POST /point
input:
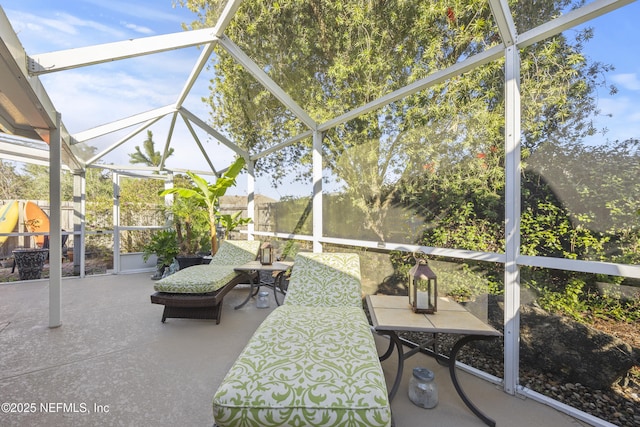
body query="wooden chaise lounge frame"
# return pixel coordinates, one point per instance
(187, 301)
(195, 306)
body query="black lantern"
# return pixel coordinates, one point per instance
(266, 254)
(423, 288)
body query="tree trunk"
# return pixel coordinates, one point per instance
(214, 242)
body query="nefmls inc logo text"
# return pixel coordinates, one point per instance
(64, 407)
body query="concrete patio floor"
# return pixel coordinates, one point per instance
(113, 362)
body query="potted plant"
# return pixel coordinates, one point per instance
(192, 231)
(164, 244)
(207, 196)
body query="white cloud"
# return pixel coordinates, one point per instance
(90, 97)
(616, 105)
(74, 25)
(635, 117)
(138, 28)
(63, 25)
(144, 10)
(60, 31)
(624, 122)
(628, 81)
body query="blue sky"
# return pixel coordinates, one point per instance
(616, 40)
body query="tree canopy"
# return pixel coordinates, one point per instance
(336, 56)
(436, 156)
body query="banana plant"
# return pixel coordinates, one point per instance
(208, 195)
(232, 221)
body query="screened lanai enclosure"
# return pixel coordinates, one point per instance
(498, 140)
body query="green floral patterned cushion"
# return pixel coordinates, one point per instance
(306, 366)
(236, 252)
(198, 279)
(325, 279)
(201, 279)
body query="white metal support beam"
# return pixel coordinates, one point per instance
(31, 112)
(266, 81)
(223, 22)
(570, 20)
(504, 20)
(593, 267)
(277, 147)
(251, 189)
(199, 143)
(317, 190)
(226, 16)
(123, 123)
(55, 227)
(26, 109)
(72, 161)
(22, 152)
(121, 141)
(167, 144)
(79, 220)
(195, 73)
(116, 222)
(437, 77)
(81, 57)
(512, 220)
(211, 131)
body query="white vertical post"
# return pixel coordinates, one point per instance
(512, 220)
(116, 222)
(251, 188)
(317, 191)
(168, 201)
(79, 218)
(55, 236)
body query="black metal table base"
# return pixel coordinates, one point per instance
(256, 283)
(395, 342)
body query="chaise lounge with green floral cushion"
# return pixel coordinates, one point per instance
(313, 361)
(197, 292)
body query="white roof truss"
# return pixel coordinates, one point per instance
(266, 81)
(83, 56)
(122, 141)
(211, 131)
(124, 123)
(197, 140)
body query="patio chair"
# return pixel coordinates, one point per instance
(197, 292)
(313, 361)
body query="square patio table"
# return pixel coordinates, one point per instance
(279, 267)
(392, 314)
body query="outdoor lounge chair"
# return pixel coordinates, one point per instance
(313, 361)
(197, 292)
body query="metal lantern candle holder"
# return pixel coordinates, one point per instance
(423, 288)
(266, 254)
